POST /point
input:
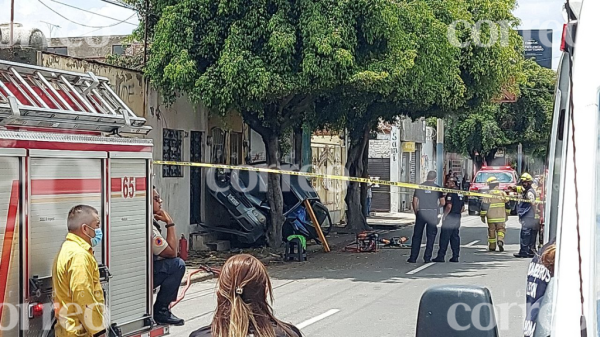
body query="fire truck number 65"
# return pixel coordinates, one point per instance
(128, 187)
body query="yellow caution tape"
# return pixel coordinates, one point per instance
(335, 177)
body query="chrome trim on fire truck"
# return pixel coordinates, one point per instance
(66, 154)
(12, 152)
(132, 155)
(70, 138)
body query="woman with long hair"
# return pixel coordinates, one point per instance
(244, 297)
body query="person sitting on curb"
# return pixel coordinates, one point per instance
(168, 268)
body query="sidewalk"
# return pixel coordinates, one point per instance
(391, 219)
(381, 222)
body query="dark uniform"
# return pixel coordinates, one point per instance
(530, 225)
(451, 227)
(427, 217)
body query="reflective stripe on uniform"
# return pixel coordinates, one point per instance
(496, 220)
(500, 235)
(498, 204)
(492, 240)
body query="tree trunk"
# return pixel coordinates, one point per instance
(274, 193)
(477, 161)
(355, 168)
(490, 158)
(298, 146)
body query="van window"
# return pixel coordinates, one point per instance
(502, 177)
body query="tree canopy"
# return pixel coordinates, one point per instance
(485, 129)
(337, 63)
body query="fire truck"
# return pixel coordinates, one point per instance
(66, 139)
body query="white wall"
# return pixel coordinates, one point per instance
(395, 165)
(428, 155)
(182, 115)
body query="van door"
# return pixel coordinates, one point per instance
(129, 239)
(10, 220)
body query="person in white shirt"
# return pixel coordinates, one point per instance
(168, 268)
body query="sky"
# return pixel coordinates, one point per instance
(534, 14)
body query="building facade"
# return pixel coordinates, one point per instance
(395, 154)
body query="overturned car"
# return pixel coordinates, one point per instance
(244, 194)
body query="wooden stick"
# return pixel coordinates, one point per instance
(317, 225)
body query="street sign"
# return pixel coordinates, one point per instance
(537, 45)
(408, 146)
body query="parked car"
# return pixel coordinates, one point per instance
(507, 177)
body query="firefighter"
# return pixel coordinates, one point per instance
(527, 211)
(77, 293)
(168, 268)
(496, 210)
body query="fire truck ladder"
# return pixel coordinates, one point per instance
(32, 96)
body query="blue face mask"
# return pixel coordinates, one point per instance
(98, 238)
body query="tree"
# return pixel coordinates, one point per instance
(269, 60)
(440, 78)
(480, 132)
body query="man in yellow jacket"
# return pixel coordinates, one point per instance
(496, 210)
(78, 295)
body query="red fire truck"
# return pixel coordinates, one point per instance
(66, 138)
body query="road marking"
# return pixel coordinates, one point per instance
(427, 265)
(317, 318)
(470, 244)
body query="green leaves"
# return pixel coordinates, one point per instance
(527, 121)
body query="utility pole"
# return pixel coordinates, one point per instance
(440, 152)
(519, 158)
(12, 22)
(51, 26)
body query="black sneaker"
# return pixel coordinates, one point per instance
(501, 246)
(427, 260)
(439, 259)
(165, 316)
(411, 261)
(521, 256)
(454, 260)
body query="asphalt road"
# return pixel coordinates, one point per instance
(377, 294)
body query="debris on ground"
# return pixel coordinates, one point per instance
(216, 259)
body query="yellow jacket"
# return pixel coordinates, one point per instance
(78, 295)
(495, 207)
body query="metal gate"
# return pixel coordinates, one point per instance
(379, 168)
(196, 178)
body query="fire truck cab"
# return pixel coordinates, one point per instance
(62, 143)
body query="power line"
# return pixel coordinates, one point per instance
(81, 24)
(87, 11)
(120, 4)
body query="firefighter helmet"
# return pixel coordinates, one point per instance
(492, 180)
(526, 177)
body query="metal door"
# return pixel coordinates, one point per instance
(380, 168)
(58, 184)
(128, 252)
(10, 289)
(59, 180)
(195, 178)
